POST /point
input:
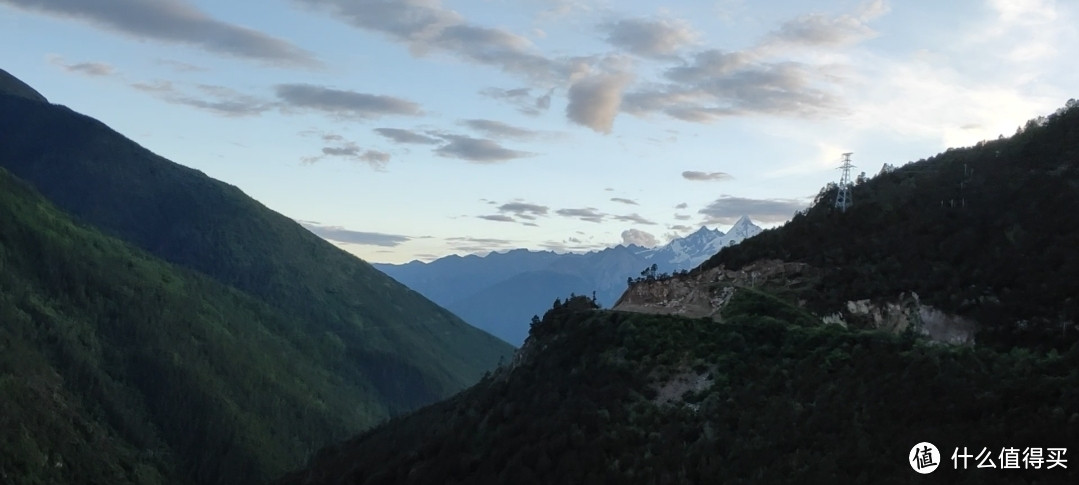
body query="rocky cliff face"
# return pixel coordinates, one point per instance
(704, 294)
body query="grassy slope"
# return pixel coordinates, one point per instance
(785, 404)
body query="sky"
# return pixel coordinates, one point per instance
(415, 129)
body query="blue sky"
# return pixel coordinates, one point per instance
(420, 128)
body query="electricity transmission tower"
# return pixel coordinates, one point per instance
(842, 198)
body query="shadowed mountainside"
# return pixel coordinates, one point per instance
(387, 347)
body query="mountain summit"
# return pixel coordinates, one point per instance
(690, 251)
(14, 86)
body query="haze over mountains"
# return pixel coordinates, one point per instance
(500, 292)
(168, 312)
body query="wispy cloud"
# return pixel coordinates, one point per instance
(819, 30)
(589, 214)
(622, 200)
(480, 245)
(478, 150)
(633, 218)
(497, 218)
(406, 136)
(704, 176)
(521, 98)
(498, 129)
(216, 99)
(524, 209)
(728, 209)
(344, 103)
(352, 152)
(342, 235)
(650, 37)
(175, 21)
(97, 69)
(426, 26)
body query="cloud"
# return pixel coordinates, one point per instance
(344, 103)
(426, 26)
(727, 209)
(498, 129)
(216, 99)
(818, 30)
(639, 238)
(342, 235)
(405, 136)
(594, 101)
(680, 228)
(650, 37)
(702, 176)
(634, 218)
(763, 78)
(718, 84)
(350, 151)
(478, 245)
(98, 69)
(682, 217)
(523, 209)
(588, 214)
(179, 66)
(683, 205)
(498, 218)
(623, 200)
(479, 150)
(175, 21)
(521, 98)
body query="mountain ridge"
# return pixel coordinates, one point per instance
(400, 349)
(477, 287)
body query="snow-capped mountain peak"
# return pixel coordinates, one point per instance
(690, 251)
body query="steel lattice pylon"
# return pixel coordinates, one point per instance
(843, 199)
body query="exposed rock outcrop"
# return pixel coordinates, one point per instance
(704, 294)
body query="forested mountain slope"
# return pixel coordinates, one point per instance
(765, 391)
(987, 232)
(385, 349)
(116, 367)
(623, 398)
(187, 218)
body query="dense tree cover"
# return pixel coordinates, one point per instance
(987, 232)
(412, 351)
(116, 367)
(782, 403)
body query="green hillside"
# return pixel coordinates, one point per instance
(187, 218)
(267, 344)
(116, 367)
(605, 397)
(987, 232)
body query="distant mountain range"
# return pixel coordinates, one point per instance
(500, 292)
(790, 387)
